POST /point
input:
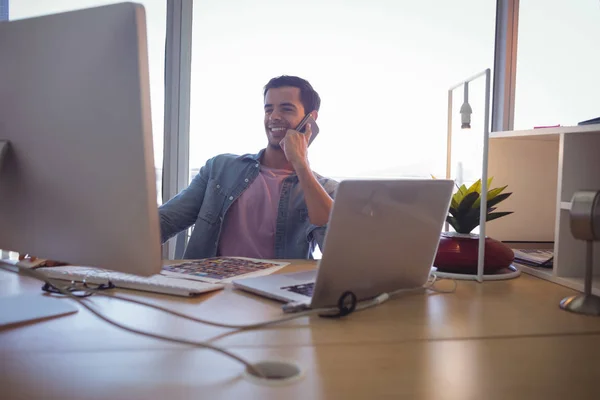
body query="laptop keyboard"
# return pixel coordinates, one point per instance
(305, 289)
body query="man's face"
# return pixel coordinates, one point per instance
(283, 111)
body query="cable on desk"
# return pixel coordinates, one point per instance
(333, 312)
(433, 279)
(324, 312)
(65, 290)
(341, 311)
(39, 276)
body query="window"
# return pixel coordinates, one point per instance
(3, 10)
(558, 61)
(156, 26)
(382, 68)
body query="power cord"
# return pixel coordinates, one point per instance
(342, 310)
(433, 279)
(251, 368)
(39, 276)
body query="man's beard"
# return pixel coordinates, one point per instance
(274, 146)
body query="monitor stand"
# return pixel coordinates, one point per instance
(26, 307)
(30, 306)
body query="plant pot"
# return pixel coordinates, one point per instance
(457, 253)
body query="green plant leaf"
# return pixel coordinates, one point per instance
(453, 222)
(468, 227)
(466, 203)
(476, 187)
(453, 203)
(496, 215)
(492, 194)
(469, 220)
(498, 199)
(464, 210)
(495, 192)
(489, 185)
(460, 194)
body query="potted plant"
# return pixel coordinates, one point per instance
(457, 251)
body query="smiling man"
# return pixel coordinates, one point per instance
(265, 205)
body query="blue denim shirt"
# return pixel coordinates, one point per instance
(204, 204)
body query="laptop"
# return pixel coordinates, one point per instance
(382, 236)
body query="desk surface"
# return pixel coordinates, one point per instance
(505, 339)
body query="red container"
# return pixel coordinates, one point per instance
(457, 253)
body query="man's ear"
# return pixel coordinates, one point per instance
(314, 114)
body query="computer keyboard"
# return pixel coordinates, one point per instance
(154, 283)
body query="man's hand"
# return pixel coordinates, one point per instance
(294, 145)
(44, 263)
(318, 201)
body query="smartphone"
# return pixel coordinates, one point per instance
(313, 126)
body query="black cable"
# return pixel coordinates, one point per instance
(342, 307)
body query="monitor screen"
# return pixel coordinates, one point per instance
(77, 180)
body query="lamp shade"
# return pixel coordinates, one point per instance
(465, 115)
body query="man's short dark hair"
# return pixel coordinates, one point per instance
(308, 96)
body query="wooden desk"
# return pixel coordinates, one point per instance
(504, 340)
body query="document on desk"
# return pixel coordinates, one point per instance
(222, 269)
(534, 257)
(32, 307)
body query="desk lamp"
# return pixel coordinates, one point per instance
(465, 109)
(465, 114)
(585, 225)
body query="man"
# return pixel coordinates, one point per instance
(265, 205)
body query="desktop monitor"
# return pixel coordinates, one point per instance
(77, 179)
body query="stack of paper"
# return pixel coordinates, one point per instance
(534, 257)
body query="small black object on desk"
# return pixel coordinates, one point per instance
(590, 121)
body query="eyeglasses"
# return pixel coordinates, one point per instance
(79, 289)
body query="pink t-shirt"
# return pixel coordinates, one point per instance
(249, 226)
